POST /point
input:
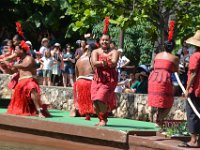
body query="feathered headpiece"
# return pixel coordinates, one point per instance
(169, 44)
(24, 46)
(171, 30)
(106, 25)
(19, 29)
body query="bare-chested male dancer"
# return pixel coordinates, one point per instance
(26, 98)
(84, 75)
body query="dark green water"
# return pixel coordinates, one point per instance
(6, 145)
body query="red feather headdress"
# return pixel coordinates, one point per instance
(24, 46)
(171, 30)
(106, 25)
(19, 29)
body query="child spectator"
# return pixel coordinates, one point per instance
(44, 46)
(122, 62)
(47, 63)
(123, 83)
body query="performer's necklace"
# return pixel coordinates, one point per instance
(106, 50)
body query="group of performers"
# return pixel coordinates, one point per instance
(96, 81)
(160, 89)
(97, 78)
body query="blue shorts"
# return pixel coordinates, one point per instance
(47, 73)
(69, 70)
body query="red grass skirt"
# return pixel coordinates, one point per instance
(104, 93)
(21, 103)
(82, 96)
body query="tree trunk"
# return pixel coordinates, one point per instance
(121, 39)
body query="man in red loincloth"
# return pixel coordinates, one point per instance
(84, 75)
(26, 98)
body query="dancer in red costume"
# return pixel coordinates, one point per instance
(26, 98)
(82, 86)
(160, 87)
(105, 79)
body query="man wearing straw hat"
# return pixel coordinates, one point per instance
(193, 91)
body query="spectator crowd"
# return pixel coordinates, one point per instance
(56, 64)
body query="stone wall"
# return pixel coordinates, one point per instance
(133, 106)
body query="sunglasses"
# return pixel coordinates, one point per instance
(6, 47)
(123, 75)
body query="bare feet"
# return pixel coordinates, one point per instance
(41, 115)
(101, 123)
(73, 112)
(97, 124)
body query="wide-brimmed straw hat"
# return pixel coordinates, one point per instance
(194, 40)
(44, 40)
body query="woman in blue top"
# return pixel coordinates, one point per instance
(69, 61)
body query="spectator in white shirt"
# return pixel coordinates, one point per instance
(122, 62)
(44, 46)
(123, 83)
(47, 63)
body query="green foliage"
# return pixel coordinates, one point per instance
(125, 14)
(181, 130)
(137, 44)
(41, 2)
(69, 18)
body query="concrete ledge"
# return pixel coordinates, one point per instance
(93, 135)
(81, 136)
(45, 142)
(152, 143)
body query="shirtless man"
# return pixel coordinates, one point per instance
(105, 79)
(84, 75)
(26, 98)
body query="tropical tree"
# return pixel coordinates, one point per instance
(36, 18)
(137, 43)
(125, 13)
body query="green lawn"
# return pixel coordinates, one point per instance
(113, 123)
